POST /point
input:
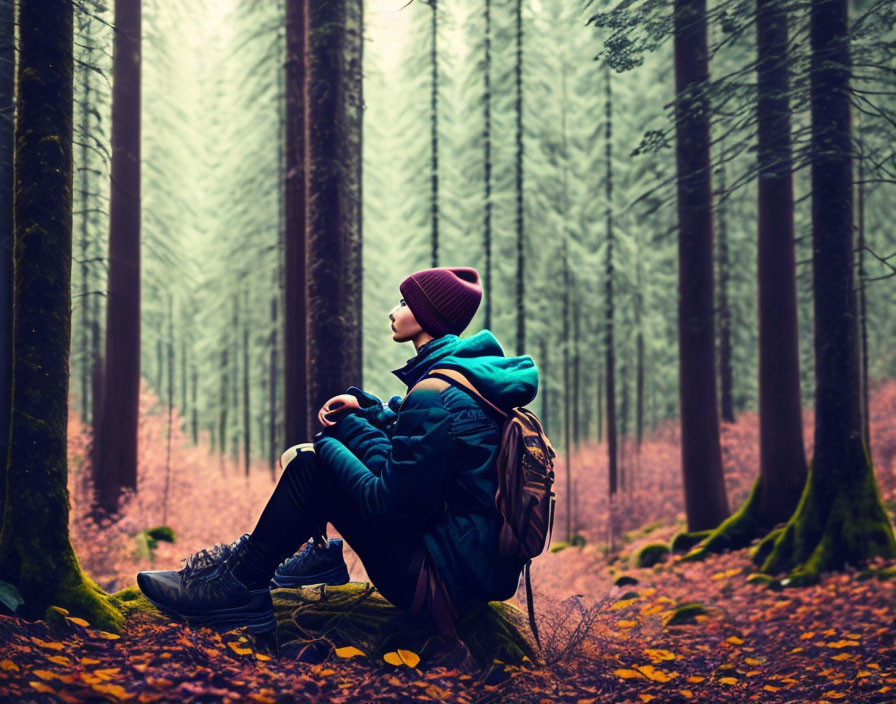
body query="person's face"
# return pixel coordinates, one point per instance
(404, 325)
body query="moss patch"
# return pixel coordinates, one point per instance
(651, 554)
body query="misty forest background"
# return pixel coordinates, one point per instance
(283, 190)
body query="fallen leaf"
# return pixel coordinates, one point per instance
(9, 665)
(59, 659)
(734, 640)
(108, 636)
(349, 651)
(117, 691)
(77, 621)
(656, 675)
(235, 647)
(728, 680)
(41, 687)
(628, 674)
(52, 645)
(658, 655)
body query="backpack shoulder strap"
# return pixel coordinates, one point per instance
(458, 377)
(426, 382)
(529, 605)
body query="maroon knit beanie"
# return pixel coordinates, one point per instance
(443, 300)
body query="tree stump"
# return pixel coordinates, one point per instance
(316, 620)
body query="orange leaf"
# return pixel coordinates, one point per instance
(117, 691)
(624, 623)
(807, 635)
(89, 661)
(348, 651)
(9, 665)
(728, 680)
(262, 657)
(45, 674)
(752, 661)
(52, 645)
(686, 693)
(59, 659)
(41, 687)
(644, 697)
(695, 679)
(392, 658)
(235, 647)
(834, 695)
(841, 643)
(656, 675)
(628, 674)
(657, 655)
(109, 636)
(326, 673)
(734, 640)
(411, 659)
(77, 621)
(769, 688)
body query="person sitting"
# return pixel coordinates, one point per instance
(410, 485)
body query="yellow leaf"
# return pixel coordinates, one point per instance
(628, 674)
(842, 656)
(117, 691)
(107, 673)
(770, 688)
(834, 695)
(651, 609)
(734, 640)
(109, 636)
(9, 665)
(624, 603)
(646, 697)
(656, 675)
(45, 674)
(659, 655)
(728, 680)
(695, 679)
(841, 643)
(854, 636)
(349, 651)
(235, 647)
(41, 687)
(807, 635)
(261, 656)
(52, 645)
(624, 623)
(77, 621)
(392, 658)
(326, 673)
(89, 661)
(752, 661)
(60, 610)
(686, 693)
(410, 658)
(59, 659)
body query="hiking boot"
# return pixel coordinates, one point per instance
(312, 565)
(206, 593)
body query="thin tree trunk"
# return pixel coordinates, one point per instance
(863, 321)
(434, 132)
(543, 387)
(170, 347)
(295, 311)
(701, 455)
(609, 312)
(725, 374)
(520, 232)
(84, 106)
(576, 374)
(117, 463)
(247, 425)
(194, 406)
(599, 411)
(333, 149)
(36, 555)
(487, 163)
(272, 397)
(235, 386)
(222, 410)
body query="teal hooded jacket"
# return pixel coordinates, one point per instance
(431, 466)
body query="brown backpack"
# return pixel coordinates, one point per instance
(525, 498)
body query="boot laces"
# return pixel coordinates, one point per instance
(206, 564)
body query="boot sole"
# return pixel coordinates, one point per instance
(257, 615)
(333, 577)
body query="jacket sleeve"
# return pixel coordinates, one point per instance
(411, 481)
(379, 414)
(366, 441)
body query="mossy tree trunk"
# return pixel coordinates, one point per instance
(333, 197)
(7, 62)
(706, 502)
(782, 459)
(35, 552)
(116, 453)
(840, 519)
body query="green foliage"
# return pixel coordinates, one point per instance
(682, 542)
(685, 613)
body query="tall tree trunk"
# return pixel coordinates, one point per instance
(487, 163)
(295, 311)
(726, 379)
(840, 519)
(566, 439)
(235, 425)
(639, 352)
(7, 106)
(518, 168)
(222, 408)
(117, 451)
(272, 396)
(247, 402)
(543, 388)
(576, 373)
(434, 132)
(701, 455)
(863, 321)
(333, 81)
(610, 360)
(170, 356)
(782, 459)
(85, 110)
(600, 396)
(194, 406)
(36, 554)
(183, 380)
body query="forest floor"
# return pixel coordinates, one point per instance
(829, 642)
(602, 643)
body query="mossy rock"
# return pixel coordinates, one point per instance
(577, 541)
(557, 547)
(651, 554)
(760, 578)
(163, 533)
(682, 542)
(314, 621)
(685, 613)
(625, 580)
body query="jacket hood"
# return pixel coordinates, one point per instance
(505, 381)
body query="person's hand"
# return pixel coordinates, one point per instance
(335, 408)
